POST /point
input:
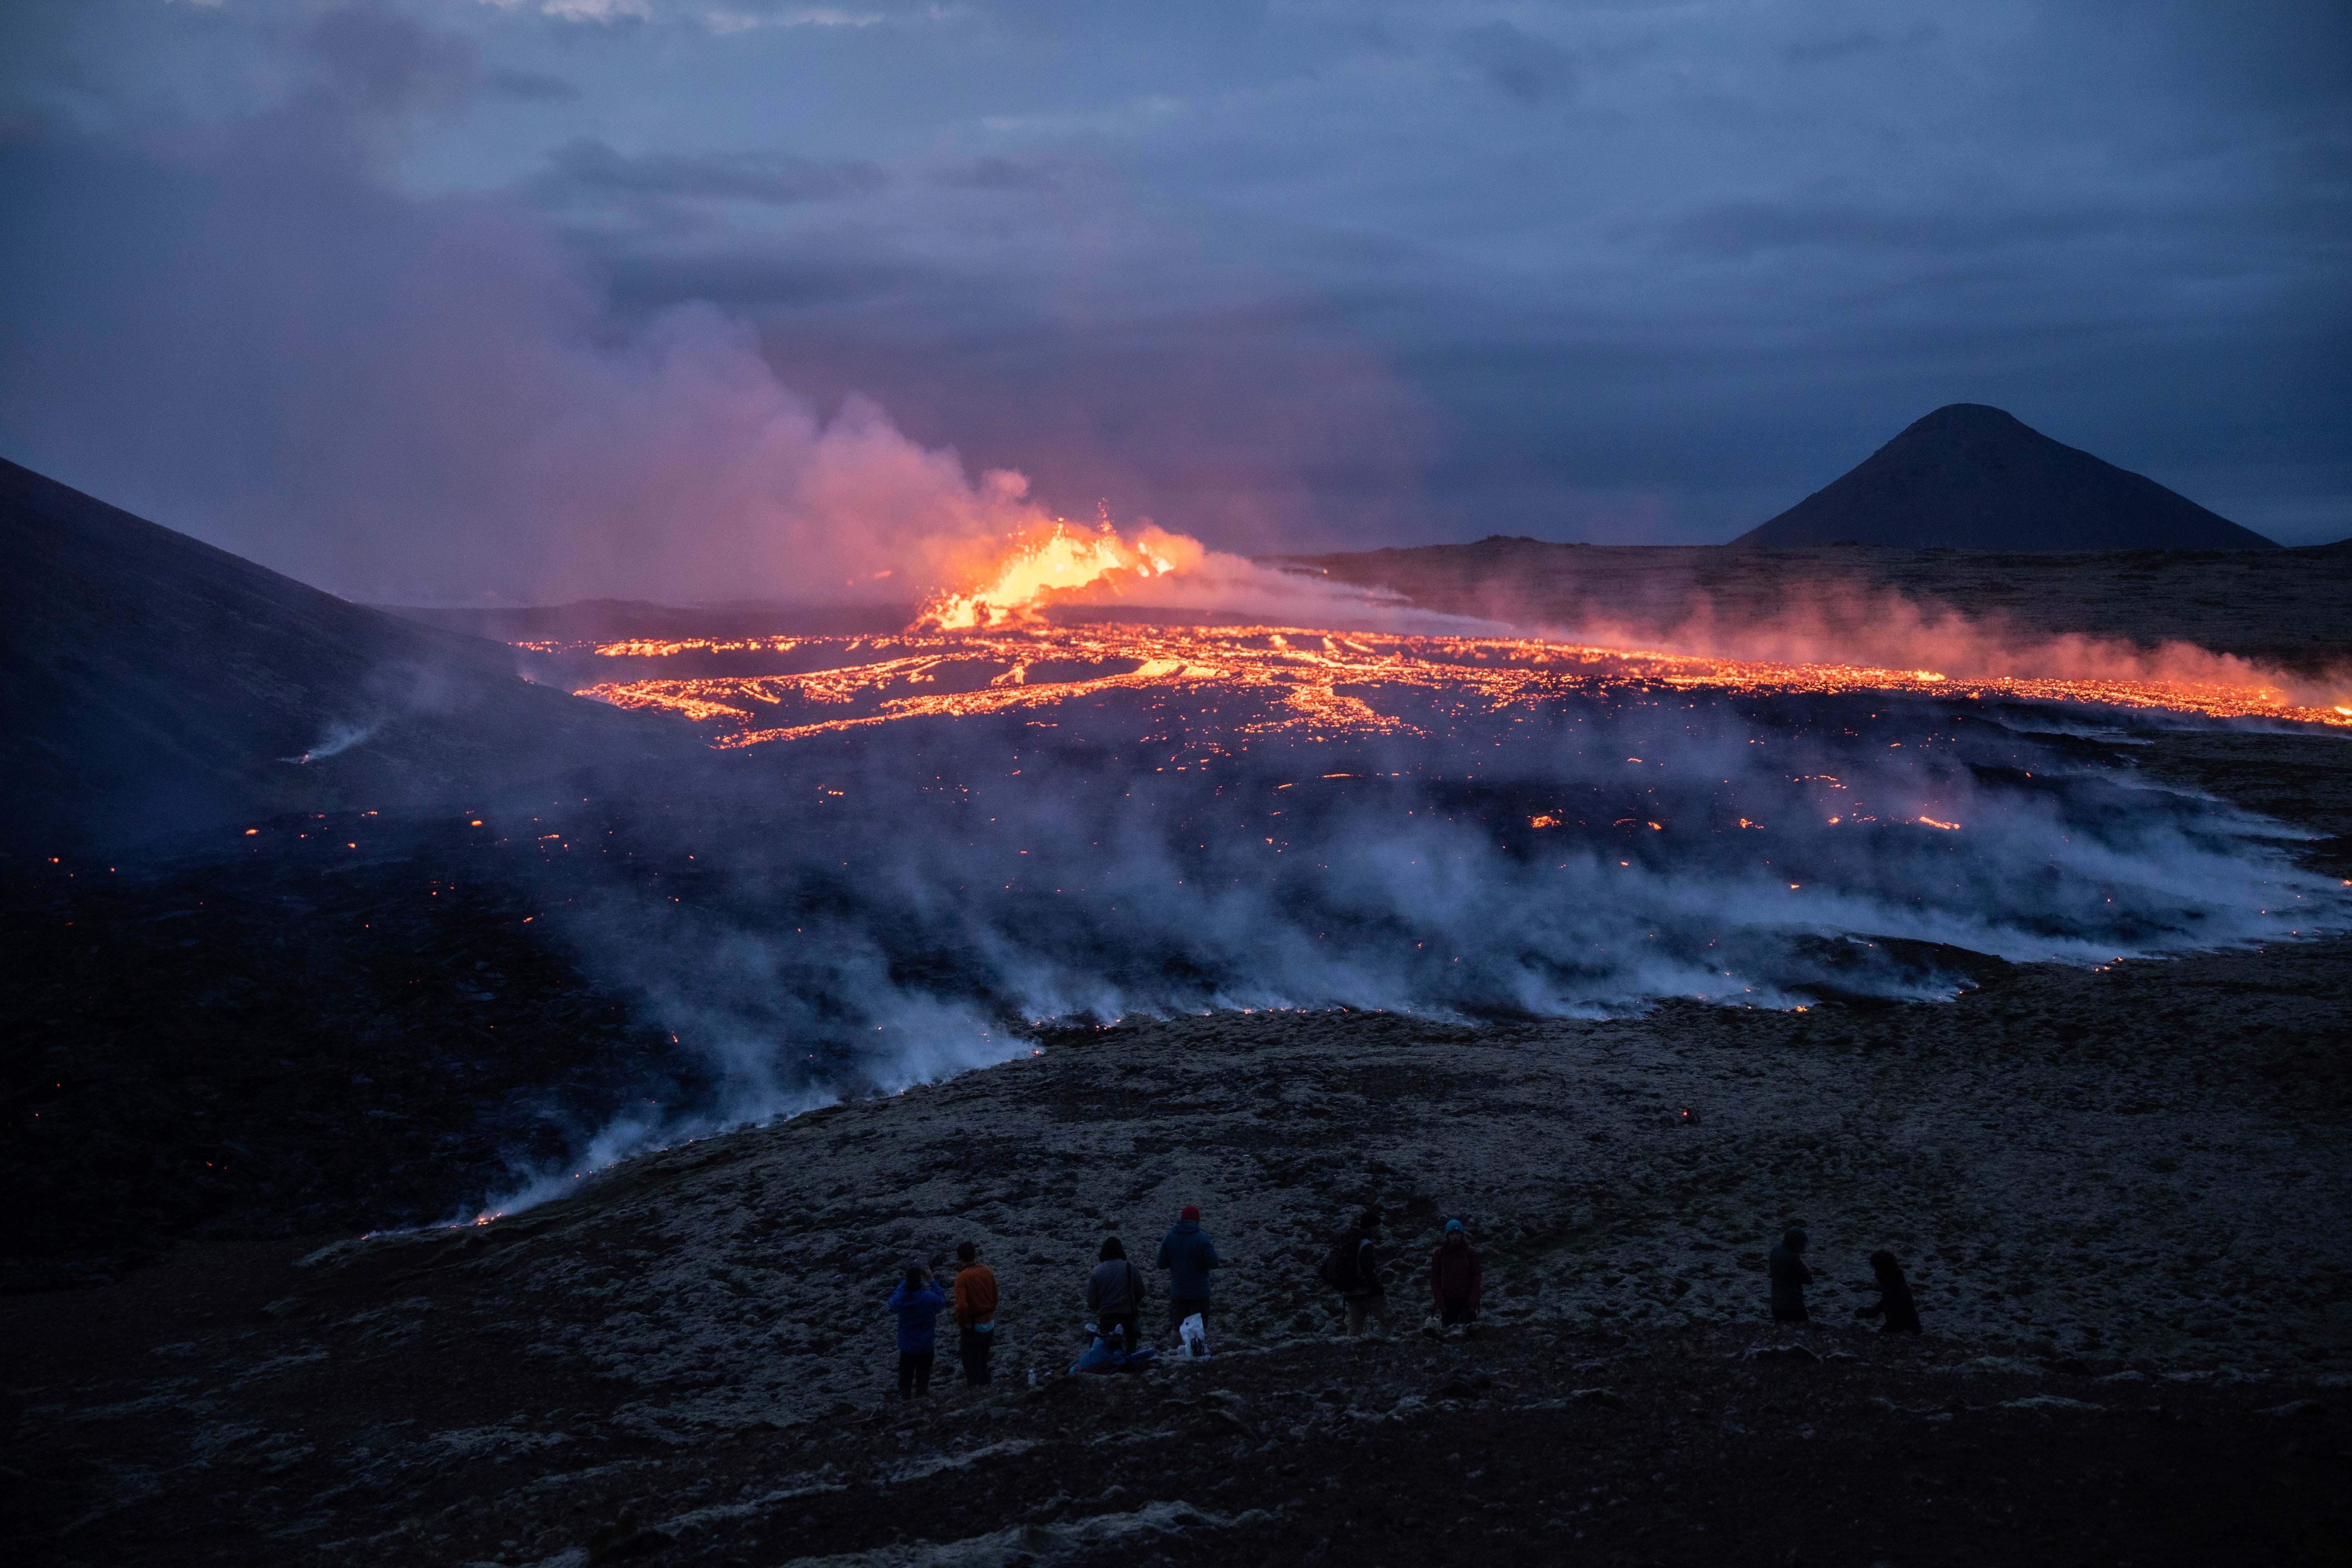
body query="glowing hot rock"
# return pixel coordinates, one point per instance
(1056, 559)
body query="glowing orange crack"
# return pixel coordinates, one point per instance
(1304, 670)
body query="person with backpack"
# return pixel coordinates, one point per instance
(1115, 1295)
(1188, 1255)
(1353, 1270)
(975, 1312)
(1454, 1277)
(918, 1302)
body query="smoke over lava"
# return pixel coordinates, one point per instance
(914, 851)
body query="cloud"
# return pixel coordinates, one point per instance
(1942, 230)
(1522, 68)
(987, 173)
(1821, 49)
(529, 86)
(587, 170)
(1242, 269)
(379, 63)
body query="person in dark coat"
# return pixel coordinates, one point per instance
(1188, 1255)
(1115, 1294)
(1365, 1296)
(1789, 1275)
(1453, 1276)
(918, 1302)
(1895, 1303)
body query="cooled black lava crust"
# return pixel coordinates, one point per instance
(298, 1037)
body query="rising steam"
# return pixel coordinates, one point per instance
(867, 914)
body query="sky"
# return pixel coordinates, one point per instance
(529, 300)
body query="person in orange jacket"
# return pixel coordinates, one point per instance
(975, 1312)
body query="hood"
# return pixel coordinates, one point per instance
(1184, 1227)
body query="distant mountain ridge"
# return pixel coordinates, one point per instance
(1971, 477)
(151, 683)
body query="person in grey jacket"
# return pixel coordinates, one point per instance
(1115, 1294)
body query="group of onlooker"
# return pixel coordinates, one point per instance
(1785, 1265)
(1115, 1292)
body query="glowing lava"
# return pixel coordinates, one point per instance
(1316, 685)
(1054, 559)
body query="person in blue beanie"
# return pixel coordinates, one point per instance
(918, 1302)
(1188, 1255)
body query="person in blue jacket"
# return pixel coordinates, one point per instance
(918, 1302)
(1188, 1255)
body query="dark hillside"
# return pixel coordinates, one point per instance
(1968, 476)
(150, 683)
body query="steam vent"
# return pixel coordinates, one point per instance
(1971, 476)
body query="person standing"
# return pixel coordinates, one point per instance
(1360, 1288)
(1894, 1302)
(1786, 1263)
(1188, 1255)
(975, 1312)
(1454, 1278)
(918, 1302)
(1115, 1294)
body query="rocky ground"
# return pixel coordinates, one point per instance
(2119, 1193)
(333, 1021)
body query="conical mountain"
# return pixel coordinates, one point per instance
(1974, 477)
(151, 684)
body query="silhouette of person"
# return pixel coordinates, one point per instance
(1895, 1303)
(1789, 1275)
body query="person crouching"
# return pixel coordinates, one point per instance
(1115, 1295)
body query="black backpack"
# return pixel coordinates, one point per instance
(1339, 1270)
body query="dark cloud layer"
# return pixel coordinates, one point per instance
(366, 289)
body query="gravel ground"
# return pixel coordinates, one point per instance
(2119, 1191)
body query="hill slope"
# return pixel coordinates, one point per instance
(1974, 477)
(150, 683)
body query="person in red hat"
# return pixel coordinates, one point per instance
(1188, 1255)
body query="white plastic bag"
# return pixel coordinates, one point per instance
(1195, 1335)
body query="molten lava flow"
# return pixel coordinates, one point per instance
(1056, 559)
(1238, 683)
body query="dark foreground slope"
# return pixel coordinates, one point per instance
(2111, 1189)
(151, 683)
(1969, 477)
(338, 1022)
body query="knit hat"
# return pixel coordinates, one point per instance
(1192, 1211)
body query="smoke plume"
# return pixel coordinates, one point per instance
(849, 917)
